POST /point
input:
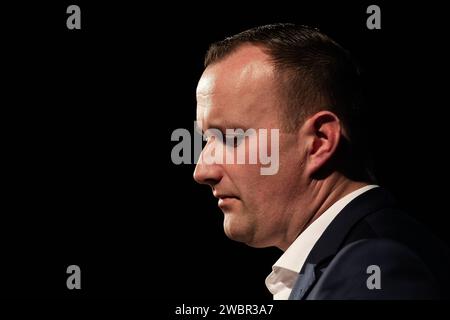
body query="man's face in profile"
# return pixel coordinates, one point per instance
(241, 91)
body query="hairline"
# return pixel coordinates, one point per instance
(280, 72)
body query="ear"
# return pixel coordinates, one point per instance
(323, 133)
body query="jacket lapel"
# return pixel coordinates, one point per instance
(334, 236)
(306, 279)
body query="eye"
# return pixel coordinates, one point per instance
(210, 137)
(207, 137)
(212, 134)
(233, 140)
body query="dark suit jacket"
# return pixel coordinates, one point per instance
(372, 231)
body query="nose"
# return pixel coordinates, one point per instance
(205, 173)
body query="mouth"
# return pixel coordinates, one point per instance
(221, 195)
(225, 199)
(225, 202)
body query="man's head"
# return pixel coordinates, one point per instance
(284, 77)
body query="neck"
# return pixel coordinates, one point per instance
(323, 194)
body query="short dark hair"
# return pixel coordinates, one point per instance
(314, 72)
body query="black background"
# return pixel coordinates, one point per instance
(87, 117)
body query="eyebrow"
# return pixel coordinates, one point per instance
(221, 127)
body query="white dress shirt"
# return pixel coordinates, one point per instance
(286, 270)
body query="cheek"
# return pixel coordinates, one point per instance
(246, 179)
(263, 195)
(263, 191)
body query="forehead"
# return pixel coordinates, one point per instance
(240, 87)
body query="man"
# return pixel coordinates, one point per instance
(342, 236)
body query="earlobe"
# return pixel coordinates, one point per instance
(325, 132)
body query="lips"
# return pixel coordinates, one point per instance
(225, 199)
(223, 195)
(226, 203)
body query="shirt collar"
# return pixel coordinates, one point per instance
(295, 256)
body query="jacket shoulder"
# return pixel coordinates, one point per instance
(377, 268)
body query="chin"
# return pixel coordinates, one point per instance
(238, 230)
(244, 231)
(247, 236)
